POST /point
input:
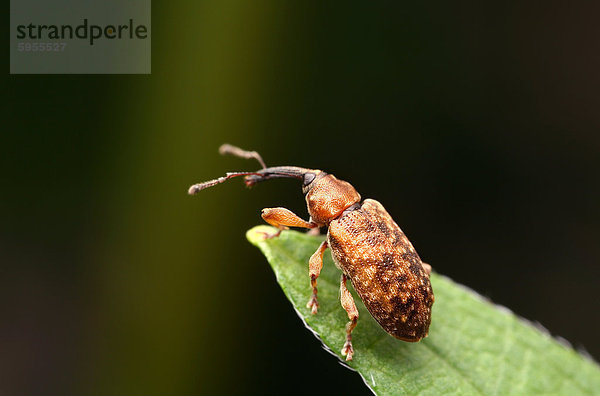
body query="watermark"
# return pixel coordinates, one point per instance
(82, 37)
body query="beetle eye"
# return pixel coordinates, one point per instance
(308, 178)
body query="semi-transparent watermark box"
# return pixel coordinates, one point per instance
(80, 37)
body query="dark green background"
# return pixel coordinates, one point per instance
(477, 126)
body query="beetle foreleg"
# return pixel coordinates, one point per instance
(350, 307)
(283, 218)
(315, 264)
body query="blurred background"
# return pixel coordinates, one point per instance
(476, 125)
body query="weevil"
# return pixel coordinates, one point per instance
(366, 245)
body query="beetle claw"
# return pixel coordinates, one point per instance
(348, 350)
(267, 235)
(313, 305)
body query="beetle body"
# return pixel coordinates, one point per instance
(366, 244)
(384, 268)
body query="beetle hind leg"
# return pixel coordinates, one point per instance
(350, 307)
(426, 268)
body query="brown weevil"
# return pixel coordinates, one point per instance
(366, 245)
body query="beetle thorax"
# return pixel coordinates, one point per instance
(328, 197)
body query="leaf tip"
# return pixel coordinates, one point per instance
(255, 235)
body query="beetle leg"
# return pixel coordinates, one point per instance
(314, 231)
(314, 269)
(283, 218)
(427, 268)
(350, 307)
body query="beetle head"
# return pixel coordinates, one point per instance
(326, 196)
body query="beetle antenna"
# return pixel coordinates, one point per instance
(292, 172)
(196, 188)
(238, 152)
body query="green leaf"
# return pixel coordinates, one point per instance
(474, 347)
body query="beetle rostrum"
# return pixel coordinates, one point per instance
(366, 245)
